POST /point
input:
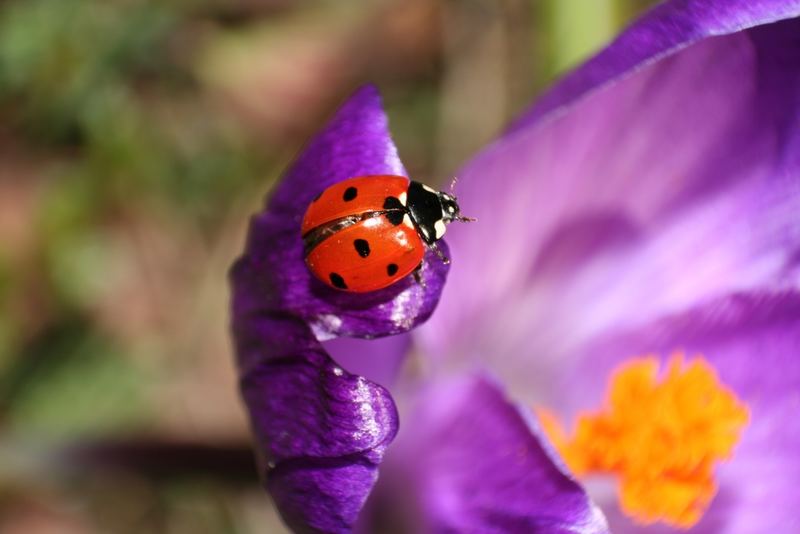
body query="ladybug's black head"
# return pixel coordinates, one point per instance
(450, 209)
(431, 210)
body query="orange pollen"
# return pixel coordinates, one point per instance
(661, 435)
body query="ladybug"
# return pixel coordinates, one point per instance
(368, 232)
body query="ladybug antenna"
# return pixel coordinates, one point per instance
(460, 218)
(453, 183)
(450, 208)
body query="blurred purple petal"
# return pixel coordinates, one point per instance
(627, 195)
(666, 29)
(710, 127)
(378, 360)
(753, 341)
(745, 240)
(473, 462)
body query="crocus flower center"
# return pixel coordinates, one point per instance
(661, 435)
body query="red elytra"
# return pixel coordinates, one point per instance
(394, 252)
(368, 232)
(335, 202)
(371, 252)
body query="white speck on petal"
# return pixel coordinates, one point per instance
(369, 425)
(325, 326)
(367, 411)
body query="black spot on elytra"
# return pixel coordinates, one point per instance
(395, 217)
(391, 269)
(337, 281)
(362, 247)
(395, 210)
(392, 203)
(350, 194)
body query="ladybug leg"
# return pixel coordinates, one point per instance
(439, 253)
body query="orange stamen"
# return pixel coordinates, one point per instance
(662, 436)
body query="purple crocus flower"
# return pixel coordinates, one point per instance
(645, 205)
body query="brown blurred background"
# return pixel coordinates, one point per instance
(136, 139)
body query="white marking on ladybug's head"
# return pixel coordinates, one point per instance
(402, 197)
(407, 221)
(440, 228)
(450, 209)
(428, 189)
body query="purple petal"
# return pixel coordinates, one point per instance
(744, 241)
(711, 126)
(356, 142)
(473, 462)
(666, 29)
(378, 360)
(321, 431)
(752, 340)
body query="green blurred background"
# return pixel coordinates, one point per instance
(136, 139)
